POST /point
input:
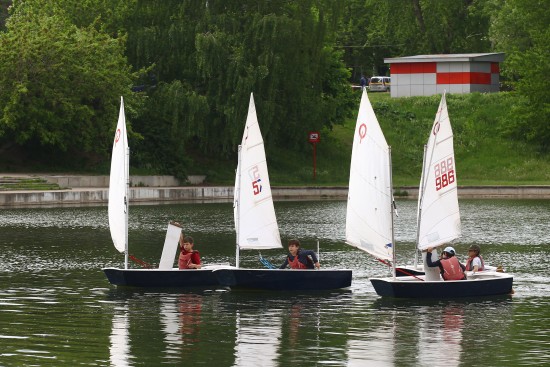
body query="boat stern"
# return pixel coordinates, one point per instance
(486, 284)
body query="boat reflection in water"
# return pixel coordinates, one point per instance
(181, 320)
(175, 322)
(427, 333)
(440, 336)
(274, 330)
(451, 338)
(190, 307)
(263, 329)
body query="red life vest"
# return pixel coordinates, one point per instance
(452, 269)
(296, 264)
(185, 259)
(470, 267)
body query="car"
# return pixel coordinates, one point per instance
(380, 84)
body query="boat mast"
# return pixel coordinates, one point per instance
(392, 204)
(126, 199)
(238, 204)
(420, 198)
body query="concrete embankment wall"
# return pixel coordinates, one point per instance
(486, 192)
(136, 181)
(99, 196)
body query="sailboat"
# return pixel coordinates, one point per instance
(165, 275)
(369, 213)
(369, 218)
(256, 224)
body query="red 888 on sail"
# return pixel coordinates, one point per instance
(444, 173)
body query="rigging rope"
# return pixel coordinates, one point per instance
(266, 263)
(140, 262)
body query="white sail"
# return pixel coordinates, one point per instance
(255, 221)
(369, 218)
(118, 181)
(438, 212)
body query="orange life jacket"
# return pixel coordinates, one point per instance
(296, 264)
(185, 259)
(470, 267)
(452, 269)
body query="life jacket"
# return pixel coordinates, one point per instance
(470, 267)
(185, 259)
(297, 264)
(452, 269)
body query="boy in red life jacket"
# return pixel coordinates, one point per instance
(300, 259)
(475, 261)
(450, 267)
(189, 258)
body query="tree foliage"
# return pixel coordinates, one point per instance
(60, 85)
(521, 30)
(223, 51)
(192, 65)
(376, 29)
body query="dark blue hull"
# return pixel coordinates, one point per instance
(161, 278)
(284, 280)
(408, 287)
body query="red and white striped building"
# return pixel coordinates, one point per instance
(425, 75)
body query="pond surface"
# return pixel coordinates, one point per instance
(58, 309)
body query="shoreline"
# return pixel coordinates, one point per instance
(98, 196)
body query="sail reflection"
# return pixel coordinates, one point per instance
(258, 339)
(378, 346)
(119, 349)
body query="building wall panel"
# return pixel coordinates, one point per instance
(429, 90)
(463, 74)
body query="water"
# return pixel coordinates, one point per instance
(57, 308)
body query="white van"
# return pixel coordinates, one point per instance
(380, 84)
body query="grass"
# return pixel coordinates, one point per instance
(484, 156)
(9, 184)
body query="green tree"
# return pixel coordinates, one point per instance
(377, 29)
(60, 85)
(4, 5)
(224, 50)
(520, 29)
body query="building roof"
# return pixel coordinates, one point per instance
(484, 57)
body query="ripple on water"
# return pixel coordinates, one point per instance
(58, 303)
